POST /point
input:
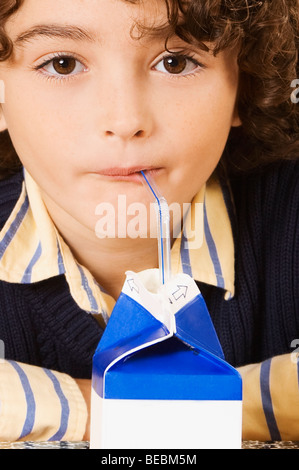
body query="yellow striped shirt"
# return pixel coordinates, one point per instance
(32, 250)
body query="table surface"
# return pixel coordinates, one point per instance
(85, 445)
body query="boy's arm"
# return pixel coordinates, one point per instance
(39, 404)
(271, 399)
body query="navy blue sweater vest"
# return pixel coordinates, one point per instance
(40, 323)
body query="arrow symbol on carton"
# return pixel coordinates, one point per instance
(180, 292)
(133, 285)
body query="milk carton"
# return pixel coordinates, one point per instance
(160, 380)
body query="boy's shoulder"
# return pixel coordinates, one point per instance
(283, 175)
(10, 190)
(264, 195)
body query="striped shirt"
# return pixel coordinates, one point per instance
(32, 250)
(39, 404)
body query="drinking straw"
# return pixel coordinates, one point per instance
(163, 234)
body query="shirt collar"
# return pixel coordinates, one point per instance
(205, 249)
(31, 249)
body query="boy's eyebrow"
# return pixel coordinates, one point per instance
(53, 31)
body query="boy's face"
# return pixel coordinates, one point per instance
(86, 104)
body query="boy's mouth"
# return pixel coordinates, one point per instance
(127, 174)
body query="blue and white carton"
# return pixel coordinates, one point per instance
(160, 380)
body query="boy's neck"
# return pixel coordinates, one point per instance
(107, 259)
(108, 262)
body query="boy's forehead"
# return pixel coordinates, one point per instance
(93, 14)
(151, 11)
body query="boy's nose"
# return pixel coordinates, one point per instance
(125, 131)
(126, 113)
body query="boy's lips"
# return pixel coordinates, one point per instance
(126, 174)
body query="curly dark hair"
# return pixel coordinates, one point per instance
(266, 33)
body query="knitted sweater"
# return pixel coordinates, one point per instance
(41, 324)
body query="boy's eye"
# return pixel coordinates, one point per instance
(177, 65)
(62, 65)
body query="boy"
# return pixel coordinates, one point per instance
(183, 91)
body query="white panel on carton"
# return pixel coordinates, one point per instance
(166, 424)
